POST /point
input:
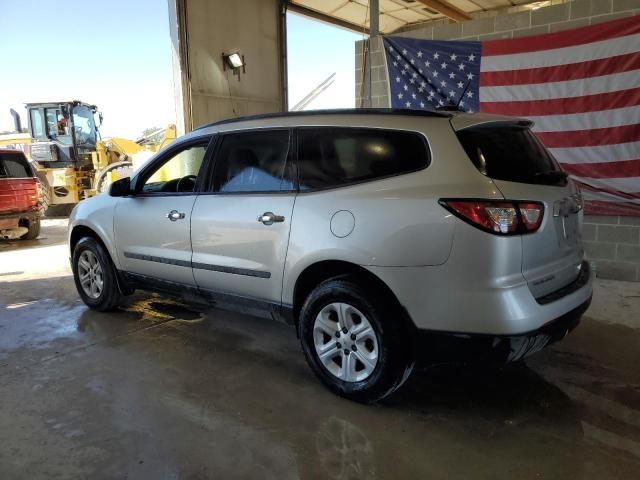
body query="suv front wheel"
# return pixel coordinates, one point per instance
(94, 275)
(353, 339)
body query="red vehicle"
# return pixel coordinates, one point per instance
(20, 194)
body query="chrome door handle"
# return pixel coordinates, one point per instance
(269, 218)
(174, 215)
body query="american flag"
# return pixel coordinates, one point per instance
(581, 87)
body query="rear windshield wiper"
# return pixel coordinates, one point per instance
(553, 174)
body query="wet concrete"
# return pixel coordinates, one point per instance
(165, 390)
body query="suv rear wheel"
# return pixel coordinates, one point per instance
(94, 275)
(353, 340)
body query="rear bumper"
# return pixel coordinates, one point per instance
(12, 220)
(433, 347)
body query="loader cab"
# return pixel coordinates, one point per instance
(62, 133)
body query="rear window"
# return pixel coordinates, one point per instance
(509, 153)
(14, 166)
(333, 156)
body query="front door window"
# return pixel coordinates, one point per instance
(178, 173)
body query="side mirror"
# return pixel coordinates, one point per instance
(120, 188)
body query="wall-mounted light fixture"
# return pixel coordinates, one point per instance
(235, 62)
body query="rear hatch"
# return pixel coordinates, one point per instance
(18, 186)
(522, 169)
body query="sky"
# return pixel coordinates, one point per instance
(119, 58)
(315, 50)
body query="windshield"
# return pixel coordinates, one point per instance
(84, 126)
(511, 153)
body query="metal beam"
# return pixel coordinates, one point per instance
(294, 7)
(446, 9)
(374, 17)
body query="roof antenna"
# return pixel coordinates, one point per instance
(464, 90)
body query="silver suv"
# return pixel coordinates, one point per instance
(385, 237)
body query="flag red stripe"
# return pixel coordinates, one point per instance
(627, 195)
(625, 168)
(597, 207)
(567, 38)
(560, 73)
(560, 106)
(590, 138)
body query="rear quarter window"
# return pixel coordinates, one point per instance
(14, 166)
(510, 153)
(335, 156)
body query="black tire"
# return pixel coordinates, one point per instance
(34, 230)
(394, 353)
(110, 296)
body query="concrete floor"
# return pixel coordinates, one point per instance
(164, 390)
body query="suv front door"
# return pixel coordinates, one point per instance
(152, 228)
(240, 228)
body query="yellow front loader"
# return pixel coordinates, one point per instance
(71, 159)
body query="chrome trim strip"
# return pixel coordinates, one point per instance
(200, 266)
(151, 258)
(233, 270)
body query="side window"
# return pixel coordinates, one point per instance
(253, 162)
(178, 173)
(334, 156)
(58, 126)
(14, 166)
(36, 123)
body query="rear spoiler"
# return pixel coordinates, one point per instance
(462, 122)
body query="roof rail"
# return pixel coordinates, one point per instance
(340, 111)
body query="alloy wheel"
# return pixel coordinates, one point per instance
(90, 274)
(345, 342)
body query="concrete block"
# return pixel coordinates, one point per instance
(589, 232)
(581, 22)
(553, 14)
(622, 5)
(379, 89)
(617, 270)
(600, 219)
(513, 21)
(378, 74)
(478, 27)
(377, 59)
(495, 36)
(447, 31)
(589, 8)
(358, 60)
(600, 250)
(380, 102)
(424, 33)
(377, 44)
(618, 234)
(628, 253)
(611, 16)
(629, 220)
(526, 32)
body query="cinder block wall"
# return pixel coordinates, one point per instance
(612, 243)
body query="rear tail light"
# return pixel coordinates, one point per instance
(502, 217)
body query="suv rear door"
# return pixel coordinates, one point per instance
(240, 227)
(523, 169)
